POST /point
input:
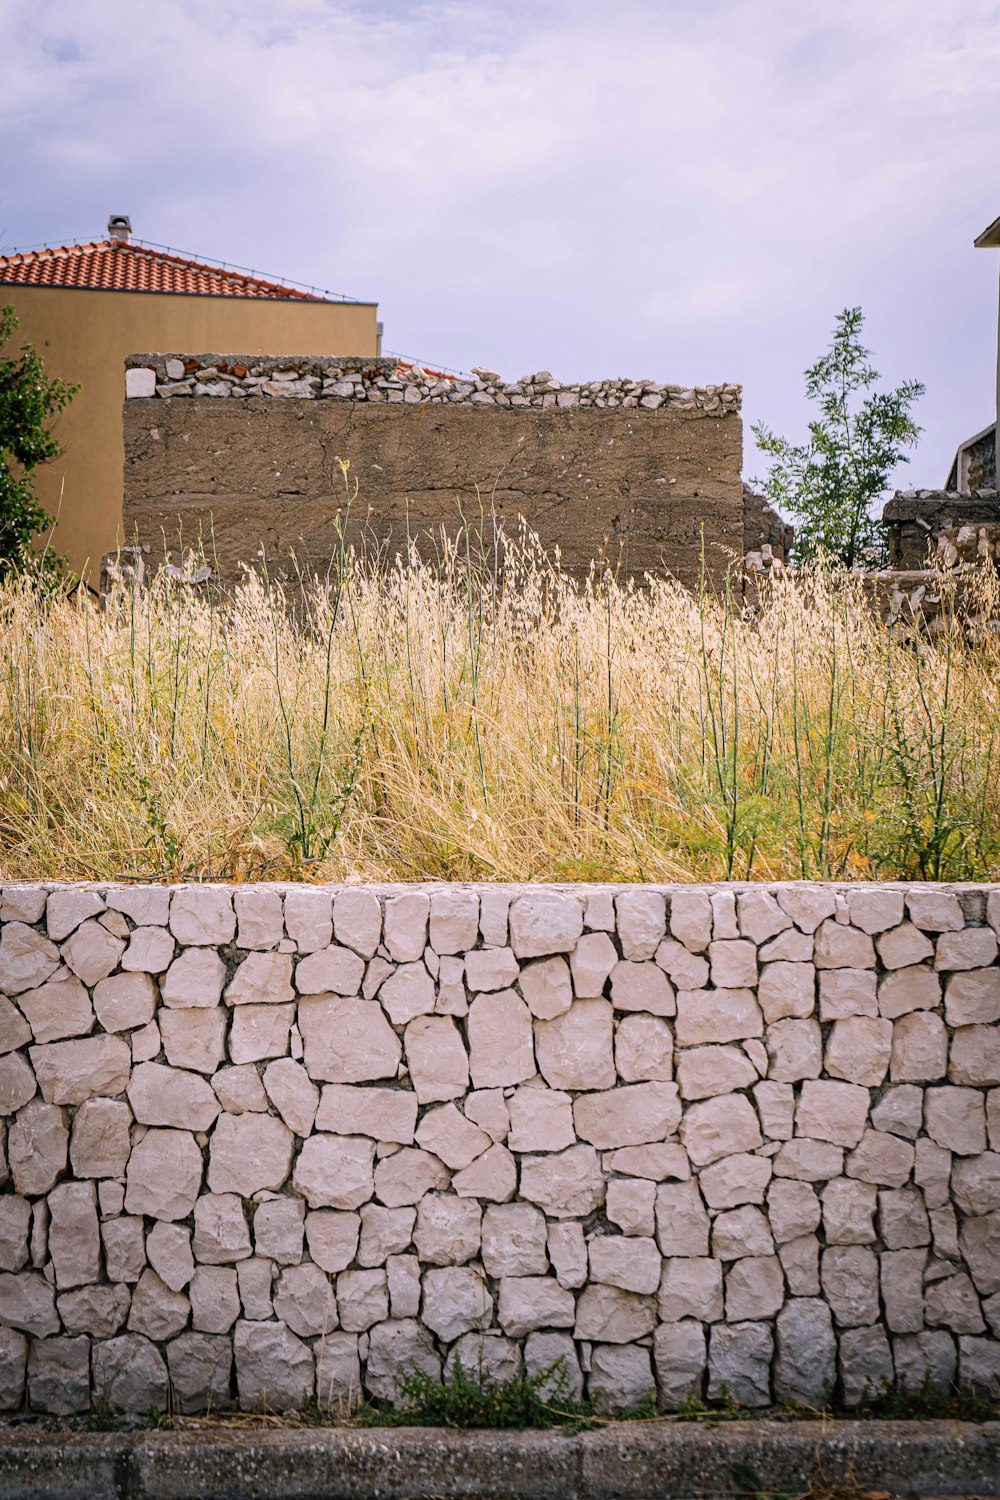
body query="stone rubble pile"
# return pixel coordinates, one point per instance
(269, 1143)
(384, 380)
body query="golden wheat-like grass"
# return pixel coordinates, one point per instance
(435, 719)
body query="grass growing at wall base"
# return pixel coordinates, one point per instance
(443, 719)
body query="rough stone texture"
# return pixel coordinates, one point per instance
(320, 1183)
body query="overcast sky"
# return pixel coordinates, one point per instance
(688, 191)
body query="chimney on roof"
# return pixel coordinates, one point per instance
(120, 227)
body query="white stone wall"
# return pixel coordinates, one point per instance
(276, 1142)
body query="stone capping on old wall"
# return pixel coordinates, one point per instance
(274, 1142)
(309, 377)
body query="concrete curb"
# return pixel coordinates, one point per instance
(625, 1461)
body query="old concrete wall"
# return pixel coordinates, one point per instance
(278, 1142)
(632, 476)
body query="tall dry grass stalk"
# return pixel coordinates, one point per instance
(436, 719)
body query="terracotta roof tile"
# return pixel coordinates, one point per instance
(124, 266)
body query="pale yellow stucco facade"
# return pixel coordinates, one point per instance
(85, 335)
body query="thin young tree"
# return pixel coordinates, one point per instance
(831, 483)
(29, 399)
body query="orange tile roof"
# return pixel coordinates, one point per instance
(127, 266)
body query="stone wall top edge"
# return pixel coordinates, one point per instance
(388, 888)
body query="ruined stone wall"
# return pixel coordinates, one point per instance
(243, 454)
(275, 1142)
(941, 528)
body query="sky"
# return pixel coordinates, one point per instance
(651, 188)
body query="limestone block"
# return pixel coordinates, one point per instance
(396, 1347)
(37, 1146)
(829, 1111)
(850, 1284)
(384, 1232)
(110, 1198)
(124, 1248)
(591, 964)
(642, 987)
(541, 1119)
(15, 1223)
(338, 1373)
(919, 1048)
(681, 1220)
(490, 969)
(70, 1072)
(953, 1303)
(239, 1090)
(22, 903)
(807, 905)
(14, 1029)
(716, 1016)
(735, 1179)
(719, 1127)
(630, 1263)
(260, 917)
(641, 922)
(436, 1057)
(449, 1135)
(628, 1116)
(881, 1158)
(100, 1311)
(687, 970)
(348, 1040)
(776, 1107)
(278, 1225)
(565, 1185)
(26, 958)
(806, 1369)
(448, 1229)
(847, 992)
(691, 1288)
(800, 1263)
(403, 1277)
(657, 1161)
(404, 1178)
(842, 947)
(733, 964)
(308, 918)
(194, 980)
(974, 948)
(972, 997)
(303, 1299)
(125, 1001)
(331, 1171)
(488, 1357)
(621, 1376)
(858, 1050)
(739, 1362)
(202, 916)
(956, 1119)
(333, 1238)
(975, 1055)
(493, 1177)
(501, 1045)
(874, 911)
(27, 1303)
(168, 1250)
(147, 905)
(809, 1160)
(741, 1231)
(791, 947)
(901, 1111)
(544, 922)
(454, 919)
(680, 1357)
(169, 1096)
(74, 1237)
(527, 1303)
(66, 909)
(979, 1366)
(487, 1108)
(795, 1050)
(92, 952)
(200, 1369)
(146, 1042)
(567, 1251)
(935, 910)
(493, 907)
(575, 1049)
(760, 916)
(59, 1008)
(547, 987)
(724, 924)
(691, 919)
(993, 1118)
(902, 1273)
(904, 946)
(357, 921)
(293, 1094)
(260, 1031)
(848, 1212)
(156, 1311)
(274, 1369)
(907, 990)
(194, 1038)
(793, 1209)
(903, 1218)
(456, 1300)
(704, 1072)
(944, 1231)
(59, 1375)
(755, 1288)
(405, 925)
(865, 1363)
(926, 1356)
(382, 1113)
(266, 979)
(631, 1204)
(607, 1314)
(407, 993)
(975, 1183)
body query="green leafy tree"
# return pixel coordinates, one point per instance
(831, 482)
(29, 399)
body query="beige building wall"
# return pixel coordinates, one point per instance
(84, 336)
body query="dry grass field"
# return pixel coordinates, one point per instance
(437, 720)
